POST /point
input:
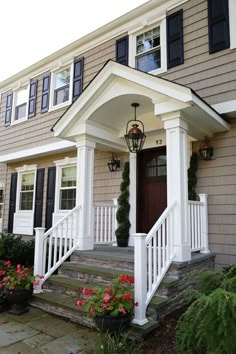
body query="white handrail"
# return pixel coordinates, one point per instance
(153, 255)
(55, 246)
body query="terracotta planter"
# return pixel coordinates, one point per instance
(112, 324)
(18, 300)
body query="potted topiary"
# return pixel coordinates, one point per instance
(122, 215)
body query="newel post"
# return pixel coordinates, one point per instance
(205, 242)
(38, 254)
(140, 279)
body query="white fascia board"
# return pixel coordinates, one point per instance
(37, 151)
(206, 108)
(225, 107)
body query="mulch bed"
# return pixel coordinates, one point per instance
(162, 341)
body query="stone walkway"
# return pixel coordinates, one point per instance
(37, 332)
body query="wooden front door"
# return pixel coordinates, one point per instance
(151, 187)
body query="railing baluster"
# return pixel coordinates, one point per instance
(109, 225)
(150, 267)
(60, 244)
(159, 252)
(101, 234)
(105, 225)
(50, 252)
(163, 244)
(66, 237)
(55, 246)
(155, 258)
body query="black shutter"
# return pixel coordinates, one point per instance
(32, 98)
(12, 206)
(78, 78)
(45, 93)
(122, 50)
(38, 211)
(175, 42)
(50, 196)
(8, 112)
(218, 25)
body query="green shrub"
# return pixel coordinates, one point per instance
(230, 271)
(208, 281)
(16, 250)
(117, 344)
(209, 325)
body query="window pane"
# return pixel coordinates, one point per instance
(62, 78)
(149, 62)
(21, 96)
(27, 182)
(148, 40)
(20, 112)
(61, 95)
(67, 199)
(26, 200)
(68, 176)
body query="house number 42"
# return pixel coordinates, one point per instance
(159, 142)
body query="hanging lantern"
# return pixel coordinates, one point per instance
(206, 149)
(113, 164)
(135, 136)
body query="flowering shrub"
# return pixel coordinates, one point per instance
(18, 277)
(114, 300)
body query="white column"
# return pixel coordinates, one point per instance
(84, 195)
(132, 196)
(140, 279)
(204, 241)
(39, 257)
(177, 185)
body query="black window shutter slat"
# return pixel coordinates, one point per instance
(122, 50)
(45, 93)
(78, 77)
(50, 196)
(12, 204)
(218, 25)
(38, 210)
(175, 42)
(32, 98)
(8, 112)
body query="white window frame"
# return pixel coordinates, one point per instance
(132, 44)
(67, 162)
(232, 23)
(21, 171)
(70, 66)
(14, 120)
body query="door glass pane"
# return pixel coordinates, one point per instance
(156, 167)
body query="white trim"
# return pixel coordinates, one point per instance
(232, 23)
(101, 35)
(37, 151)
(225, 107)
(26, 168)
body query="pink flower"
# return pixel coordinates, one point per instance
(106, 297)
(18, 266)
(84, 291)
(36, 282)
(2, 271)
(41, 277)
(1, 286)
(127, 297)
(136, 304)
(5, 279)
(7, 263)
(122, 310)
(18, 270)
(91, 310)
(80, 303)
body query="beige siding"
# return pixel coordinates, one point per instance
(217, 178)
(212, 76)
(106, 184)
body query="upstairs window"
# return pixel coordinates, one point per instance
(21, 103)
(68, 188)
(27, 191)
(148, 50)
(62, 87)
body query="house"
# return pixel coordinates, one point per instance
(63, 118)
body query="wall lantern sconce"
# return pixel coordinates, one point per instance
(206, 149)
(113, 164)
(135, 136)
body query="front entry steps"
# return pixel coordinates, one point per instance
(98, 268)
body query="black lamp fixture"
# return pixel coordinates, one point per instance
(135, 136)
(113, 164)
(206, 149)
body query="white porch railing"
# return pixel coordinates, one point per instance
(153, 254)
(198, 224)
(55, 246)
(105, 222)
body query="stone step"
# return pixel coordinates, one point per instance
(65, 306)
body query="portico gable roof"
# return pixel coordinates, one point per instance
(116, 81)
